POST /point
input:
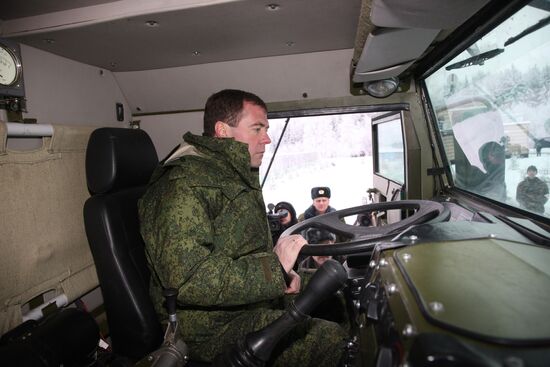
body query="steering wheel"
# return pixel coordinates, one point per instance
(363, 239)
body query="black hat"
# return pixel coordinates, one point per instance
(287, 206)
(532, 168)
(316, 235)
(317, 192)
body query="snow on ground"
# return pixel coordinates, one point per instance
(348, 179)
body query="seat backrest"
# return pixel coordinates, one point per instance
(119, 163)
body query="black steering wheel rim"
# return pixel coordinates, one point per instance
(364, 238)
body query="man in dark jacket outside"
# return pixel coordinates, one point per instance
(532, 192)
(206, 233)
(320, 205)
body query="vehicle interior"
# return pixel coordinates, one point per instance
(428, 119)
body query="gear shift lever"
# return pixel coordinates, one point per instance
(256, 348)
(173, 352)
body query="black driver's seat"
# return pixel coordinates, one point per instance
(119, 163)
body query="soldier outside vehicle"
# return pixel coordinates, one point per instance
(333, 308)
(321, 237)
(320, 205)
(532, 192)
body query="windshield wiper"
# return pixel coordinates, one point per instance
(481, 58)
(541, 23)
(475, 60)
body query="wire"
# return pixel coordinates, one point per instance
(275, 152)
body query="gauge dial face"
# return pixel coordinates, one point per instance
(9, 66)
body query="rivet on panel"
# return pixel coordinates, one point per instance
(409, 330)
(436, 306)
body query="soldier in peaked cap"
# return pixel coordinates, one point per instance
(320, 205)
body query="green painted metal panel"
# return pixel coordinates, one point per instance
(489, 287)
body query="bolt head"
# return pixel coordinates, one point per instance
(436, 306)
(408, 330)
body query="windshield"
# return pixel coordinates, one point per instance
(492, 104)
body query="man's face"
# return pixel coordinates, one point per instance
(531, 173)
(496, 156)
(252, 130)
(321, 204)
(286, 219)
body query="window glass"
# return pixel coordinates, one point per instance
(329, 150)
(492, 104)
(390, 153)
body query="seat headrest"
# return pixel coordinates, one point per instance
(118, 158)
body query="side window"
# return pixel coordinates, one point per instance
(389, 153)
(389, 162)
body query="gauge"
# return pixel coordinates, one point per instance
(10, 66)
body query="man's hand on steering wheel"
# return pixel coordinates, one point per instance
(287, 250)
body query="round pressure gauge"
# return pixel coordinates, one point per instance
(10, 66)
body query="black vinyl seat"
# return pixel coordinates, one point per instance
(119, 163)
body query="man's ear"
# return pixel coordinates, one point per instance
(220, 130)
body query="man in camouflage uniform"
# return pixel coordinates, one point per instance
(532, 192)
(206, 233)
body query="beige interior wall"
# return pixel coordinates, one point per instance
(63, 91)
(321, 75)
(166, 131)
(275, 79)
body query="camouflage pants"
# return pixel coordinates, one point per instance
(315, 342)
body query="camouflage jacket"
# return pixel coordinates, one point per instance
(206, 233)
(531, 194)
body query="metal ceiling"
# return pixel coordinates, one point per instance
(196, 34)
(15, 9)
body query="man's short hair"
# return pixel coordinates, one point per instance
(532, 168)
(318, 192)
(227, 106)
